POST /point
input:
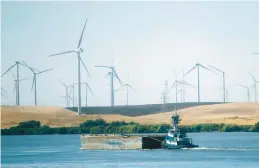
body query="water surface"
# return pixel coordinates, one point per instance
(216, 150)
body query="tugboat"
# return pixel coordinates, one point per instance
(176, 139)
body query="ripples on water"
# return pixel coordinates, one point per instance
(222, 150)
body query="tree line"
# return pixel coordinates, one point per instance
(100, 126)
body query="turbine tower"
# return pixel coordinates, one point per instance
(248, 95)
(17, 63)
(112, 73)
(198, 65)
(78, 51)
(224, 84)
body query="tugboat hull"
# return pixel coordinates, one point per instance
(169, 146)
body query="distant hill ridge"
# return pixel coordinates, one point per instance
(139, 110)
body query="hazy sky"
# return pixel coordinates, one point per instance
(150, 39)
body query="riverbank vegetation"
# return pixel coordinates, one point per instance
(100, 126)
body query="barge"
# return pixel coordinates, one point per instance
(174, 139)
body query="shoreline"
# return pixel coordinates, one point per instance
(100, 126)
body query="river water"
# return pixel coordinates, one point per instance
(217, 150)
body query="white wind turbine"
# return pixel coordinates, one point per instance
(112, 73)
(15, 89)
(66, 93)
(247, 89)
(73, 91)
(34, 82)
(86, 92)
(78, 51)
(224, 83)
(175, 85)
(3, 92)
(17, 63)
(198, 65)
(255, 83)
(127, 85)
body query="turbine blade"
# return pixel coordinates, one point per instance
(116, 75)
(252, 87)
(63, 84)
(118, 90)
(175, 75)
(131, 88)
(14, 88)
(215, 68)
(13, 76)
(90, 89)
(45, 71)
(85, 67)
(23, 79)
(66, 52)
(186, 83)
(101, 66)
(190, 70)
(3, 90)
(206, 68)
(173, 85)
(243, 86)
(8, 70)
(81, 37)
(27, 66)
(70, 92)
(116, 61)
(252, 76)
(255, 53)
(107, 75)
(33, 81)
(3, 95)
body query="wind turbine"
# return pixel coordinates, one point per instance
(198, 70)
(73, 89)
(255, 81)
(175, 84)
(224, 84)
(248, 95)
(226, 93)
(127, 85)
(86, 92)
(112, 73)
(34, 81)
(15, 89)
(181, 83)
(66, 93)
(78, 51)
(17, 63)
(3, 92)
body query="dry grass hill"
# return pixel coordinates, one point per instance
(232, 113)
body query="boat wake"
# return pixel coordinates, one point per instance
(223, 149)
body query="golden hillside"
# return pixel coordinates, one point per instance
(233, 113)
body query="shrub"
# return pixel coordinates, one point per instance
(29, 124)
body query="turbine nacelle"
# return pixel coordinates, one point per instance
(79, 50)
